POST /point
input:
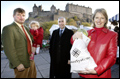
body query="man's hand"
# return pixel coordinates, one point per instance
(20, 67)
(68, 61)
(32, 56)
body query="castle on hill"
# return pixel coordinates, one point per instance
(71, 10)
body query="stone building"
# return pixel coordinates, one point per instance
(71, 10)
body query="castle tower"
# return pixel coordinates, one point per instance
(35, 9)
(67, 8)
(40, 8)
(53, 9)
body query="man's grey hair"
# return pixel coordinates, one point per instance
(62, 18)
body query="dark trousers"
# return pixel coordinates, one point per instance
(63, 76)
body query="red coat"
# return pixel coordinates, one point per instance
(40, 36)
(37, 36)
(103, 50)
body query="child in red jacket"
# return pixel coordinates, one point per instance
(37, 33)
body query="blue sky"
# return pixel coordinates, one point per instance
(7, 7)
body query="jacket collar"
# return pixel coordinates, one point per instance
(65, 29)
(105, 30)
(19, 30)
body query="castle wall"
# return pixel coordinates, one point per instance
(44, 13)
(33, 14)
(78, 9)
(46, 18)
(65, 14)
(89, 11)
(41, 13)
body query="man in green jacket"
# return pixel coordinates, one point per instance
(15, 41)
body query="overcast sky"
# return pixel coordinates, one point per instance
(7, 7)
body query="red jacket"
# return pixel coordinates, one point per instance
(37, 36)
(103, 50)
(40, 36)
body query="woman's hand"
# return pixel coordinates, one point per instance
(88, 71)
(77, 35)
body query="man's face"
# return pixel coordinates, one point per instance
(19, 17)
(61, 23)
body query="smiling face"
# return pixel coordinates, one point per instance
(99, 20)
(61, 23)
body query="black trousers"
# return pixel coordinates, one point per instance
(63, 76)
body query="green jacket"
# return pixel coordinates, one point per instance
(15, 45)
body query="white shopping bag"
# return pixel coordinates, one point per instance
(37, 50)
(80, 58)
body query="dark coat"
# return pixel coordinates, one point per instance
(116, 29)
(60, 53)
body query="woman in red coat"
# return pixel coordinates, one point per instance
(37, 33)
(102, 47)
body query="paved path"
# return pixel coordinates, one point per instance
(42, 62)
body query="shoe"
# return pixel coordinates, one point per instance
(35, 53)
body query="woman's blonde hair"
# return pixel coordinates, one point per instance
(34, 22)
(103, 11)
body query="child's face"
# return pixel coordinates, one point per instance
(34, 26)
